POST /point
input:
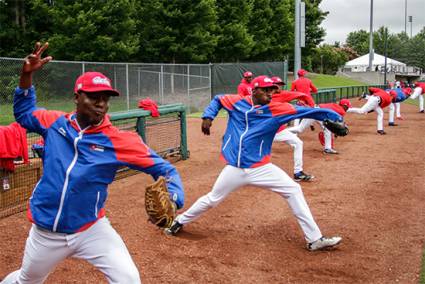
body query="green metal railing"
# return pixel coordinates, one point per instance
(333, 94)
(142, 122)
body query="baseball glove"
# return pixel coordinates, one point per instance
(337, 128)
(160, 208)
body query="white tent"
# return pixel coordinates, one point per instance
(360, 64)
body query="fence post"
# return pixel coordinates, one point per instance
(211, 81)
(127, 88)
(188, 80)
(183, 142)
(162, 84)
(83, 68)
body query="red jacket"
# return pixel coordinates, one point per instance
(245, 88)
(303, 85)
(13, 144)
(287, 96)
(386, 98)
(335, 107)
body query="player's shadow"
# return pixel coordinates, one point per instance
(190, 236)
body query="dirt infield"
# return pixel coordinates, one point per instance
(372, 194)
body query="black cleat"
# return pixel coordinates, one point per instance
(302, 176)
(382, 132)
(392, 124)
(174, 229)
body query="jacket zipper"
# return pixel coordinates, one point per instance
(227, 142)
(65, 185)
(261, 147)
(97, 203)
(243, 134)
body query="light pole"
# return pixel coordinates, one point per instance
(410, 21)
(405, 17)
(371, 36)
(321, 64)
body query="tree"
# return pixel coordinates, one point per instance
(416, 54)
(261, 29)
(93, 30)
(234, 39)
(282, 29)
(177, 31)
(359, 41)
(327, 59)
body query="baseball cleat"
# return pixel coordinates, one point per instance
(382, 132)
(422, 111)
(174, 229)
(392, 124)
(330, 151)
(324, 243)
(302, 176)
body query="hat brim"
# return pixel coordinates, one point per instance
(272, 85)
(111, 92)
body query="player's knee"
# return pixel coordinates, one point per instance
(212, 201)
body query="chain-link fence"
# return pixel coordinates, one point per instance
(189, 84)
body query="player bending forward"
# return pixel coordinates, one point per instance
(81, 155)
(284, 135)
(253, 122)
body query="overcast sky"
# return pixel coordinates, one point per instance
(346, 16)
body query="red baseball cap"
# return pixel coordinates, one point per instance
(91, 82)
(277, 80)
(301, 72)
(247, 74)
(407, 91)
(263, 82)
(345, 102)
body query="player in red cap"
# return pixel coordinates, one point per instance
(82, 153)
(253, 122)
(303, 85)
(284, 135)
(245, 88)
(377, 100)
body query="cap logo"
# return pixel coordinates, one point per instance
(268, 80)
(79, 86)
(102, 81)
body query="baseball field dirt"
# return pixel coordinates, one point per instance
(372, 194)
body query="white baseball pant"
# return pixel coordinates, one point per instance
(307, 122)
(100, 245)
(418, 93)
(393, 108)
(268, 177)
(371, 104)
(295, 142)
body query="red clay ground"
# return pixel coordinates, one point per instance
(372, 194)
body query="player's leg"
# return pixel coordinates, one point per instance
(370, 105)
(43, 251)
(103, 247)
(273, 178)
(305, 122)
(297, 144)
(421, 103)
(380, 119)
(398, 110)
(328, 142)
(230, 179)
(417, 93)
(391, 113)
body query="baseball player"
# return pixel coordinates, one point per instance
(284, 135)
(376, 101)
(303, 85)
(253, 122)
(340, 108)
(244, 88)
(81, 155)
(418, 92)
(400, 95)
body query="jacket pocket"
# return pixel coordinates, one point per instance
(261, 148)
(227, 142)
(97, 204)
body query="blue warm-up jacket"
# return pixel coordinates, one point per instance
(79, 164)
(251, 128)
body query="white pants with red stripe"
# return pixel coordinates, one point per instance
(295, 142)
(269, 177)
(307, 122)
(100, 245)
(371, 104)
(417, 93)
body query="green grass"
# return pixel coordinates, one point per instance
(222, 113)
(422, 276)
(326, 81)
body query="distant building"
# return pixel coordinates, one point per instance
(359, 69)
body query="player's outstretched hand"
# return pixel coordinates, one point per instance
(34, 61)
(206, 125)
